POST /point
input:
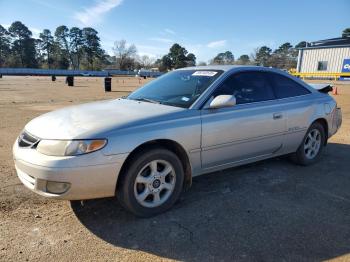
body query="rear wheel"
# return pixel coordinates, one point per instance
(311, 148)
(152, 183)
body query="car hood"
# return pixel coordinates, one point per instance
(93, 119)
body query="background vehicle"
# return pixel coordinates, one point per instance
(186, 123)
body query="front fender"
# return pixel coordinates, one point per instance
(184, 131)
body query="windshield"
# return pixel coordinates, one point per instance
(179, 88)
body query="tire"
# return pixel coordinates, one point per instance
(152, 182)
(310, 150)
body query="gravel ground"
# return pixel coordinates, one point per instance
(268, 211)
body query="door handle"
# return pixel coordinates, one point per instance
(277, 116)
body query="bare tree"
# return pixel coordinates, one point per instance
(254, 55)
(145, 61)
(124, 54)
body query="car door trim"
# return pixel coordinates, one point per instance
(236, 163)
(237, 142)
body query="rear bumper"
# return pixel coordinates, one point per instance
(338, 117)
(336, 121)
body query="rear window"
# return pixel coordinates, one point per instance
(285, 87)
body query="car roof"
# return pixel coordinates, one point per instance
(218, 67)
(229, 68)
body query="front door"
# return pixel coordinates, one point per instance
(252, 128)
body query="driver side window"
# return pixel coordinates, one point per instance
(247, 87)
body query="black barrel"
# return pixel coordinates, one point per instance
(53, 78)
(70, 80)
(108, 84)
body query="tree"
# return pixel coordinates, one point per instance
(66, 49)
(4, 45)
(91, 46)
(164, 64)
(262, 56)
(46, 45)
(346, 32)
(124, 54)
(225, 58)
(191, 59)
(202, 63)
(76, 44)
(59, 58)
(301, 44)
(284, 49)
(108, 60)
(177, 57)
(243, 60)
(62, 34)
(23, 46)
(295, 51)
(19, 31)
(287, 55)
(282, 57)
(145, 62)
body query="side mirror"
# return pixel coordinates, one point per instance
(223, 101)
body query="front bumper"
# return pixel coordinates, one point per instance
(84, 181)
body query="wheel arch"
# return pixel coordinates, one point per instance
(324, 123)
(168, 144)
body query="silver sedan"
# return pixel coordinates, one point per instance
(146, 148)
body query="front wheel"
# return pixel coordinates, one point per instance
(152, 183)
(311, 148)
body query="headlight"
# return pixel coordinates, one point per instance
(70, 147)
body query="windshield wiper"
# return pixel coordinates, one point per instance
(147, 100)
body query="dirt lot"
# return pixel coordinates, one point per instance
(268, 211)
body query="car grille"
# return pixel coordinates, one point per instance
(27, 140)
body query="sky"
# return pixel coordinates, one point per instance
(204, 28)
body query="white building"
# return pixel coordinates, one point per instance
(328, 56)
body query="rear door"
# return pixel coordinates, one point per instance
(252, 128)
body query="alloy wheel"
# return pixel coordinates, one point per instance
(154, 183)
(312, 144)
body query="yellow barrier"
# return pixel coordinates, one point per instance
(320, 74)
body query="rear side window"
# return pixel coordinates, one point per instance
(247, 87)
(285, 87)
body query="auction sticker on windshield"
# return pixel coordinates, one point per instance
(204, 73)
